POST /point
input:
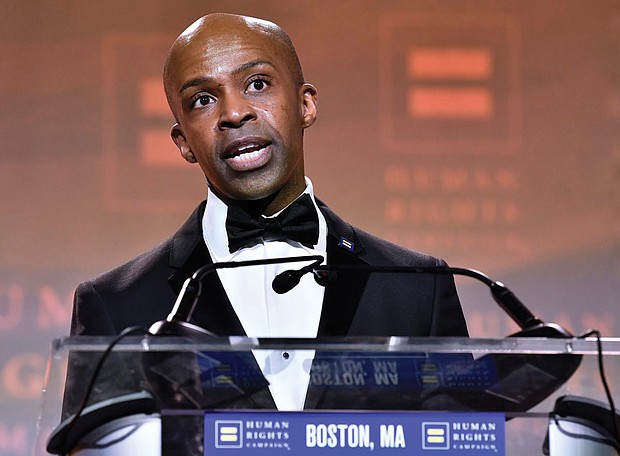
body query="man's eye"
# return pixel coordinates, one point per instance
(257, 86)
(202, 101)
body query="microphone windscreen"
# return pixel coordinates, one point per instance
(285, 281)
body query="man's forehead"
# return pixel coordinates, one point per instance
(218, 44)
(233, 53)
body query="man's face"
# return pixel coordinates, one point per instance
(241, 113)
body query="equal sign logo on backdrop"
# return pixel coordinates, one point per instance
(449, 83)
(434, 72)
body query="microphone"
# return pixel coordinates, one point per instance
(502, 295)
(177, 322)
(287, 280)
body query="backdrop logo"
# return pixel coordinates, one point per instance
(436, 436)
(449, 82)
(228, 434)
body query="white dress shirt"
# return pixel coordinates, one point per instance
(264, 313)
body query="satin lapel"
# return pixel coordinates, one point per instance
(214, 310)
(342, 296)
(189, 252)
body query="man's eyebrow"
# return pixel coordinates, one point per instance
(194, 82)
(240, 69)
(251, 64)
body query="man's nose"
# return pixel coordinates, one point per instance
(235, 111)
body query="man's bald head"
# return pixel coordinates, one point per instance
(235, 87)
(229, 26)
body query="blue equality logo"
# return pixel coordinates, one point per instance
(229, 434)
(436, 436)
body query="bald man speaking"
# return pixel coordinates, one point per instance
(241, 105)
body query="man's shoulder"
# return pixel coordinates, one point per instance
(144, 265)
(156, 263)
(135, 293)
(387, 252)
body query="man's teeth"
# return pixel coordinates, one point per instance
(247, 156)
(249, 146)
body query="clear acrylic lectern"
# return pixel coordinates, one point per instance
(393, 395)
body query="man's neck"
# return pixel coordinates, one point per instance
(267, 206)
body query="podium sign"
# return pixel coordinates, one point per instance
(354, 433)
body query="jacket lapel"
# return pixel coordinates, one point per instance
(340, 303)
(344, 291)
(214, 311)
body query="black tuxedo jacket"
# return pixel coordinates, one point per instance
(144, 290)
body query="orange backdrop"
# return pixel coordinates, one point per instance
(482, 131)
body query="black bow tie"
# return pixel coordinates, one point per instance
(298, 222)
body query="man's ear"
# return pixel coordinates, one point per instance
(309, 97)
(177, 135)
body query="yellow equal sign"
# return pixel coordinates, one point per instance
(450, 83)
(229, 434)
(430, 379)
(437, 435)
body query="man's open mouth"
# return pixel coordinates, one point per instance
(247, 154)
